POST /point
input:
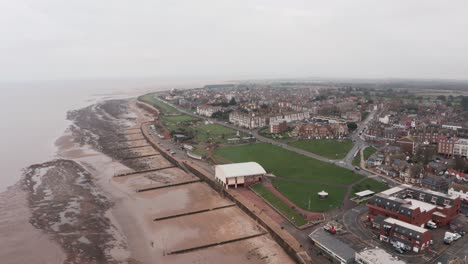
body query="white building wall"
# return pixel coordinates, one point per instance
(461, 194)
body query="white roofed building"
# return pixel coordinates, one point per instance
(239, 174)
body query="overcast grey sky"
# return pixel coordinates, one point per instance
(82, 39)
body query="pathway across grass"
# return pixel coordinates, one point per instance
(277, 203)
(367, 153)
(329, 148)
(300, 178)
(160, 105)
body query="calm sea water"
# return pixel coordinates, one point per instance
(33, 116)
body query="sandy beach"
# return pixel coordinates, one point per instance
(83, 214)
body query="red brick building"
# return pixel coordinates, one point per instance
(322, 131)
(414, 205)
(404, 235)
(407, 144)
(446, 145)
(278, 127)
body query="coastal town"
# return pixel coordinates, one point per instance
(349, 174)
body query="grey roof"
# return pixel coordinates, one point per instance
(330, 242)
(407, 231)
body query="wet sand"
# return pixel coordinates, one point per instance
(20, 242)
(153, 179)
(117, 222)
(139, 152)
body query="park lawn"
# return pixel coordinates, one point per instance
(329, 148)
(299, 177)
(300, 193)
(357, 160)
(286, 164)
(288, 212)
(368, 152)
(160, 105)
(369, 184)
(178, 118)
(216, 132)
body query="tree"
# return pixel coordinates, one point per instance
(232, 101)
(460, 164)
(415, 170)
(352, 126)
(464, 103)
(441, 98)
(424, 154)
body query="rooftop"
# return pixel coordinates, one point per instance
(378, 255)
(406, 225)
(331, 243)
(423, 206)
(364, 193)
(392, 190)
(238, 169)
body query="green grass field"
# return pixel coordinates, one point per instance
(357, 160)
(298, 177)
(329, 148)
(368, 152)
(290, 213)
(213, 131)
(178, 118)
(300, 193)
(369, 184)
(160, 105)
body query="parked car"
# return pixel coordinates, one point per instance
(431, 225)
(399, 250)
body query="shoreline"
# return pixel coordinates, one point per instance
(90, 217)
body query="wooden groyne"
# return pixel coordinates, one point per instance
(193, 212)
(143, 171)
(142, 146)
(186, 250)
(167, 185)
(143, 156)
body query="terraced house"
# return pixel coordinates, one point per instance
(404, 235)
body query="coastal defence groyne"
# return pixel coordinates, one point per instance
(289, 244)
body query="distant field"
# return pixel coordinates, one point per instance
(369, 184)
(299, 177)
(160, 105)
(290, 213)
(329, 148)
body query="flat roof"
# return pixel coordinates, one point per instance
(331, 243)
(238, 170)
(406, 225)
(392, 190)
(378, 255)
(439, 214)
(425, 207)
(364, 193)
